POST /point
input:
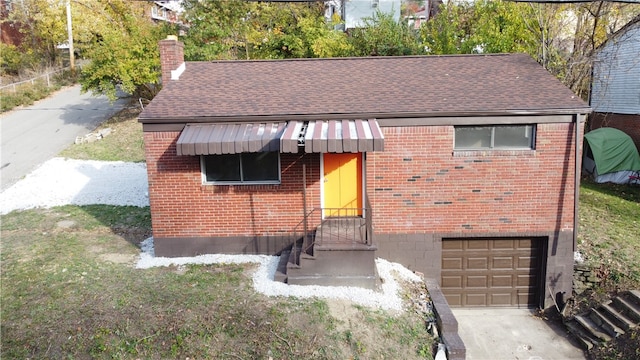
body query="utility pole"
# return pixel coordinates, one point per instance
(72, 63)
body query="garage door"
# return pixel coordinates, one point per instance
(492, 272)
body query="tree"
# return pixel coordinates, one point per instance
(43, 25)
(561, 37)
(234, 29)
(447, 32)
(383, 36)
(217, 29)
(595, 22)
(123, 54)
(480, 27)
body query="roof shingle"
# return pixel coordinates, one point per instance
(362, 88)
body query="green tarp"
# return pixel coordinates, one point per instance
(613, 150)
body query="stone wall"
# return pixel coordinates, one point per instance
(584, 278)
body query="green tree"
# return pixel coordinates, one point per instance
(124, 54)
(235, 29)
(217, 29)
(381, 35)
(482, 26)
(448, 31)
(43, 25)
(561, 37)
(501, 27)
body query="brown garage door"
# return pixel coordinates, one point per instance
(491, 272)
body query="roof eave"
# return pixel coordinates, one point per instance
(340, 116)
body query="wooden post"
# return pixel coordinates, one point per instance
(72, 64)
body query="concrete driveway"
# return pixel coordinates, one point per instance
(496, 334)
(33, 134)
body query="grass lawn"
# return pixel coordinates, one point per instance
(70, 290)
(609, 235)
(609, 239)
(123, 144)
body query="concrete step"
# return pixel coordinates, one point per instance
(367, 282)
(583, 337)
(293, 259)
(344, 230)
(601, 320)
(281, 271)
(617, 318)
(591, 327)
(634, 295)
(629, 309)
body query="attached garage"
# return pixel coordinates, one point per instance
(504, 272)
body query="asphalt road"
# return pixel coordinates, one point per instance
(32, 135)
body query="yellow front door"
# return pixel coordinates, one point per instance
(342, 184)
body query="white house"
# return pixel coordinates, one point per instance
(615, 91)
(353, 12)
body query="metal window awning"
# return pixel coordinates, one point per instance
(218, 139)
(333, 136)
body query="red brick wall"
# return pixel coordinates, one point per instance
(183, 207)
(418, 184)
(630, 124)
(171, 57)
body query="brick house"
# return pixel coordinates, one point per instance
(461, 167)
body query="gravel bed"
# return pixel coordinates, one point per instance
(61, 181)
(387, 298)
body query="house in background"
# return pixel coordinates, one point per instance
(615, 91)
(166, 11)
(464, 168)
(416, 20)
(9, 31)
(354, 12)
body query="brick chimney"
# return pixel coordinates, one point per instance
(171, 58)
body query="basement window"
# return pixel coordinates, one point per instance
(244, 168)
(496, 137)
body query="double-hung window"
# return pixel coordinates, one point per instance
(495, 137)
(245, 168)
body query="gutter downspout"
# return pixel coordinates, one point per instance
(576, 195)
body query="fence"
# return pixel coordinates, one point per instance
(14, 86)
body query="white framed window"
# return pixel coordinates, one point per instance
(495, 137)
(245, 168)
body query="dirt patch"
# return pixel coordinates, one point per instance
(119, 258)
(66, 224)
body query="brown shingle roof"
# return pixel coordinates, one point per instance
(362, 88)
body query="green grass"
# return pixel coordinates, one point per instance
(125, 143)
(27, 94)
(609, 234)
(70, 290)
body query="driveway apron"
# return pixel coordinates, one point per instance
(499, 333)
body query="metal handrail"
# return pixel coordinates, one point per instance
(356, 233)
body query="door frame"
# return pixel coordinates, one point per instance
(364, 176)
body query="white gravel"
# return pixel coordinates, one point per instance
(387, 299)
(62, 181)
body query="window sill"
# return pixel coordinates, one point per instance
(241, 183)
(490, 153)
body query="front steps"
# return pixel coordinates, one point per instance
(339, 257)
(609, 320)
